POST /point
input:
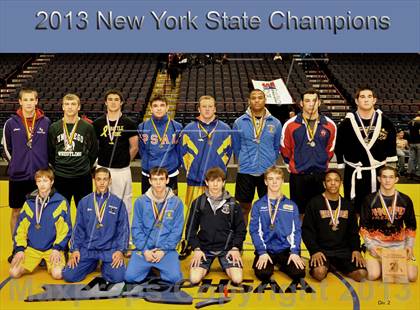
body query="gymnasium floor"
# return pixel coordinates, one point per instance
(336, 292)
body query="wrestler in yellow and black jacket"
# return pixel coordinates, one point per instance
(54, 229)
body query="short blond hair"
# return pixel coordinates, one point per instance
(274, 169)
(71, 97)
(206, 97)
(44, 173)
(27, 91)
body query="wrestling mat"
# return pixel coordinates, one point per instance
(39, 291)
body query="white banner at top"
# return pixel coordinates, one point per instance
(275, 91)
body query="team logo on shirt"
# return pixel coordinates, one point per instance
(154, 139)
(113, 209)
(380, 213)
(170, 214)
(118, 130)
(323, 133)
(270, 128)
(383, 134)
(226, 209)
(68, 147)
(288, 207)
(326, 214)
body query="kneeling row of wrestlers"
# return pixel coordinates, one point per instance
(215, 229)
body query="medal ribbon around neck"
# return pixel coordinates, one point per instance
(209, 135)
(159, 215)
(336, 214)
(270, 211)
(68, 138)
(257, 130)
(160, 138)
(29, 133)
(111, 133)
(100, 212)
(366, 132)
(40, 204)
(310, 132)
(394, 206)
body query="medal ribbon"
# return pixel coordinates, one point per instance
(208, 134)
(111, 133)
(384, 206)
(310, 132)
(257, 130)
(336, 214)
(159, 215)
(40, 204)
(100, 213)
(160, 138)
(29, 133)
(68, 138)
(270, 211)
(366, 132)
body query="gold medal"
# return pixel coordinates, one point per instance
(310, 132)
(69, 137)
(159, 215)
(209, 135)
(160, 138)
(99, 212)
(391, 217)
(40, 204)
(365, 130)
(334, 216)
(258, 129)
(272, 213)
(111, 133)
(29, 132)
(68, 148)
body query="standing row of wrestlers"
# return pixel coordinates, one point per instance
(365, 142)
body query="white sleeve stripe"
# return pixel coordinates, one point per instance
(292, 236)
(4, 143)
(260, 232)
(391, 159)
(283, 131)
(335, 137)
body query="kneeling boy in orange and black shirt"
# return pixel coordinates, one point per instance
(387, 220)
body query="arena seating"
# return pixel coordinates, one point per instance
(90, 76)
(395, 78)
(9, 63)
(229, 83)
